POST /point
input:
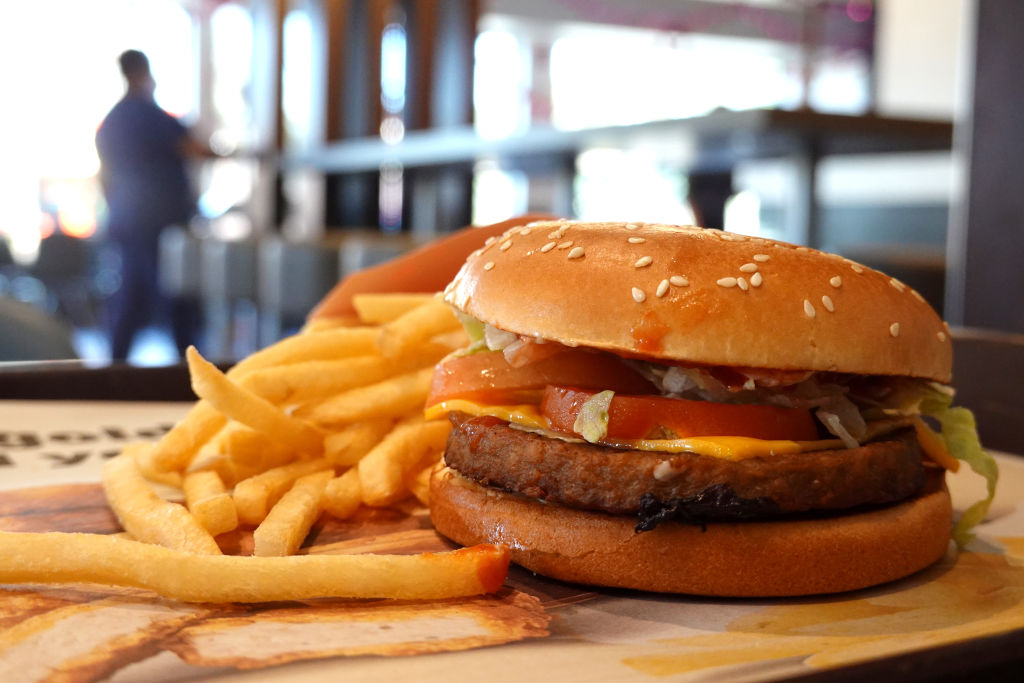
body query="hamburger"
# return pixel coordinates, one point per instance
(675, 409)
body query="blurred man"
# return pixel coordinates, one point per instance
(143, 151)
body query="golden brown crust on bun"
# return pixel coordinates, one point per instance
(745, 559)
(702, 296)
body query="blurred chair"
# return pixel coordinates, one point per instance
(29, 334)
(293, 277)
(228, 287)
(362, 249)
(988, 371)
(8, 268)
(64, 265)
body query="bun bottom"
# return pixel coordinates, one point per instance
(805, 556)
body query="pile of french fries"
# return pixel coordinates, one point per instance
(321, 422)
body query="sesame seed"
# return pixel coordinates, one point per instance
(742, 283)
(836, 281)
(636, 240)
(643, 261)
(638, 295)
(488, 265)
(547, 247)
(565, 245)
(941, 336)
(761, 258)
(894, 329)
(490, 240)
(727, 282)
(505, 245)
(632, 226)
(809, 309)
(756, 280)
(917, 295)
(804, 249)
(525, 231)
(575, 252)
(679, 281)
(748, 268)
(662, 288)
(898, 285)
(856, 268)
(826, 301)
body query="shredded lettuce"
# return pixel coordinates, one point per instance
(592, 421)
(959, 431)
(475, 331)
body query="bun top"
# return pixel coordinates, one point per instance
(680, 293)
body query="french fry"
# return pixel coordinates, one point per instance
(327, 345)
(211, 456)
(383, 471)
(256, 495)
(260, 428)
(142, 451)
(251, 452)
(305, 382)
(209, 502)
(324, 324)
(419, 483)
(416, 326)
(343, 495)
(393, 397)
(298, 382)
(54, 557)
(289, 521)
(148, 517)
(217, 463)
(178, 446)
(452, 339)
(239, 404)
(347, 446)
(377, 309)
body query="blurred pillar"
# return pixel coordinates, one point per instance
(268, 22)
(355, 29)
(986, 244)
(441, 35)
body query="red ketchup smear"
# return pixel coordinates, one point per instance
(493, 565)
(648, 333)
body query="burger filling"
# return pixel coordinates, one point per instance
(693, 442)
(656, 486)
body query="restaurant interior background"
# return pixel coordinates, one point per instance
(352, 130)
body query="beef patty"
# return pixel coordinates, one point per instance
(582, 475)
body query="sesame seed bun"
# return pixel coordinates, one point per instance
(752, 559)
(701, 296)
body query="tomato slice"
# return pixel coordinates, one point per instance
(487, 377)
(648, 417)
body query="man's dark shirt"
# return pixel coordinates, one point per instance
(142, 167)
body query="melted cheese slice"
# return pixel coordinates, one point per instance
(724, 447)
